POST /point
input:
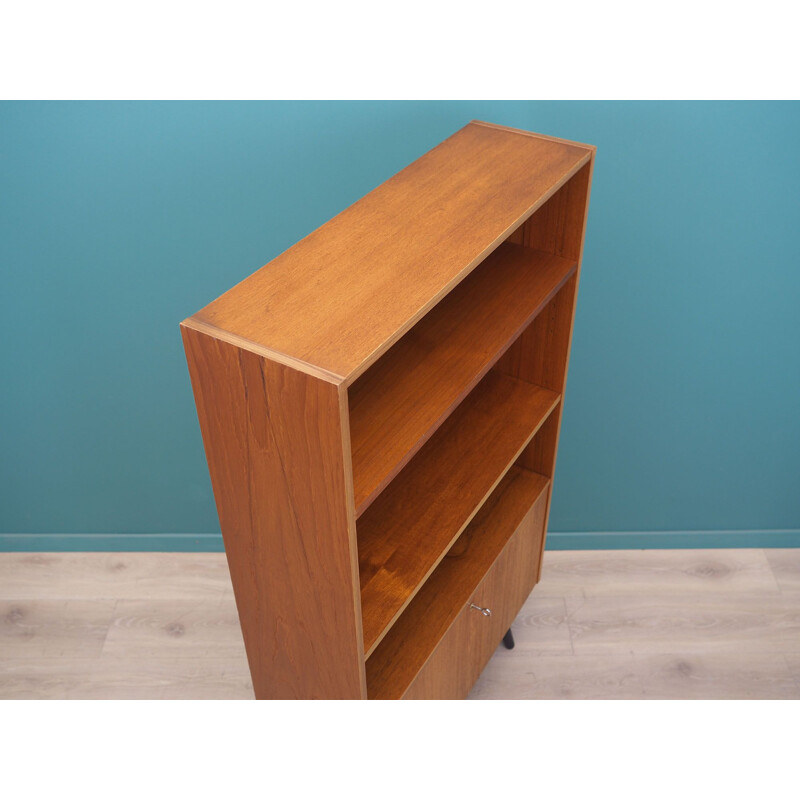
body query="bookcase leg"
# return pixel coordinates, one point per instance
(508, 640)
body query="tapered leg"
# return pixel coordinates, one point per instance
(508, 640)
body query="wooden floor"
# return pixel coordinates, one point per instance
(611, 624)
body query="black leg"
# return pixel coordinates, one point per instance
(508, 640)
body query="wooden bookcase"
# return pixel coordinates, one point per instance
(380, 408)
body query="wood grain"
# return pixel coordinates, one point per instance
(62, 658)
(689, 675)
(793, 662)
(450, 671)
(402, 399)
(732, 623)
(656, 573)
(535, 135)
(516, 675)
(111, 678)
(344, 294)
(463, 653)
(539, 355)
(407, 530)
(122, 576)
(302, 437)
(185, 628)
(33, 629)
(413, 638)
(785, 565)
(542, 353)
(716, 676)
(558, 226)
(541, 627)
(275, 447)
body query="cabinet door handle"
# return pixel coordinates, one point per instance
(487, 612)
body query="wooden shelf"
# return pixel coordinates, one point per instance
(404, 650)
(403, 398)
(408, 529)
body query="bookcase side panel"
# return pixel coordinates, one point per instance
(274, 442)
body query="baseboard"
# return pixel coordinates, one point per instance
(556, 540)
(672, 540)
(111, 542)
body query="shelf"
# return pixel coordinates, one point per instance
(408, 529)
(396, 661)
(406, 395)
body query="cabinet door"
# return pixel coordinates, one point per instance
(466, 648)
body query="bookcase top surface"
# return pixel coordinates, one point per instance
(335, 301)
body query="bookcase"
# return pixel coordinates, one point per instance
(380, 409)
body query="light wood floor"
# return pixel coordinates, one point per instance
(611, 624)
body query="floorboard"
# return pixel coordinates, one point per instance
(728, 623)
(44, 629)
(174, 628)
(785, 566)
(670, 624)
(646, 573)
(120, 576)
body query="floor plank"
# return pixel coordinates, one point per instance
(174, 628)
(127, 679)
(121, 576)
(793, 662)
(616, 624)
(36, 629)
(716, 676)
(785, 566)
(656, 572)
(541, 627)
(514, 675)
(723, 623)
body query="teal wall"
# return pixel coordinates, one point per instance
(117, 220)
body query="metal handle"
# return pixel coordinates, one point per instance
(487, 612)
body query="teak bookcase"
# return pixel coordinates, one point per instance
(380, 408)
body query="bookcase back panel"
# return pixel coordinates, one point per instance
(407, 530)
(557, 227)
(539, 355)
(397, 405)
